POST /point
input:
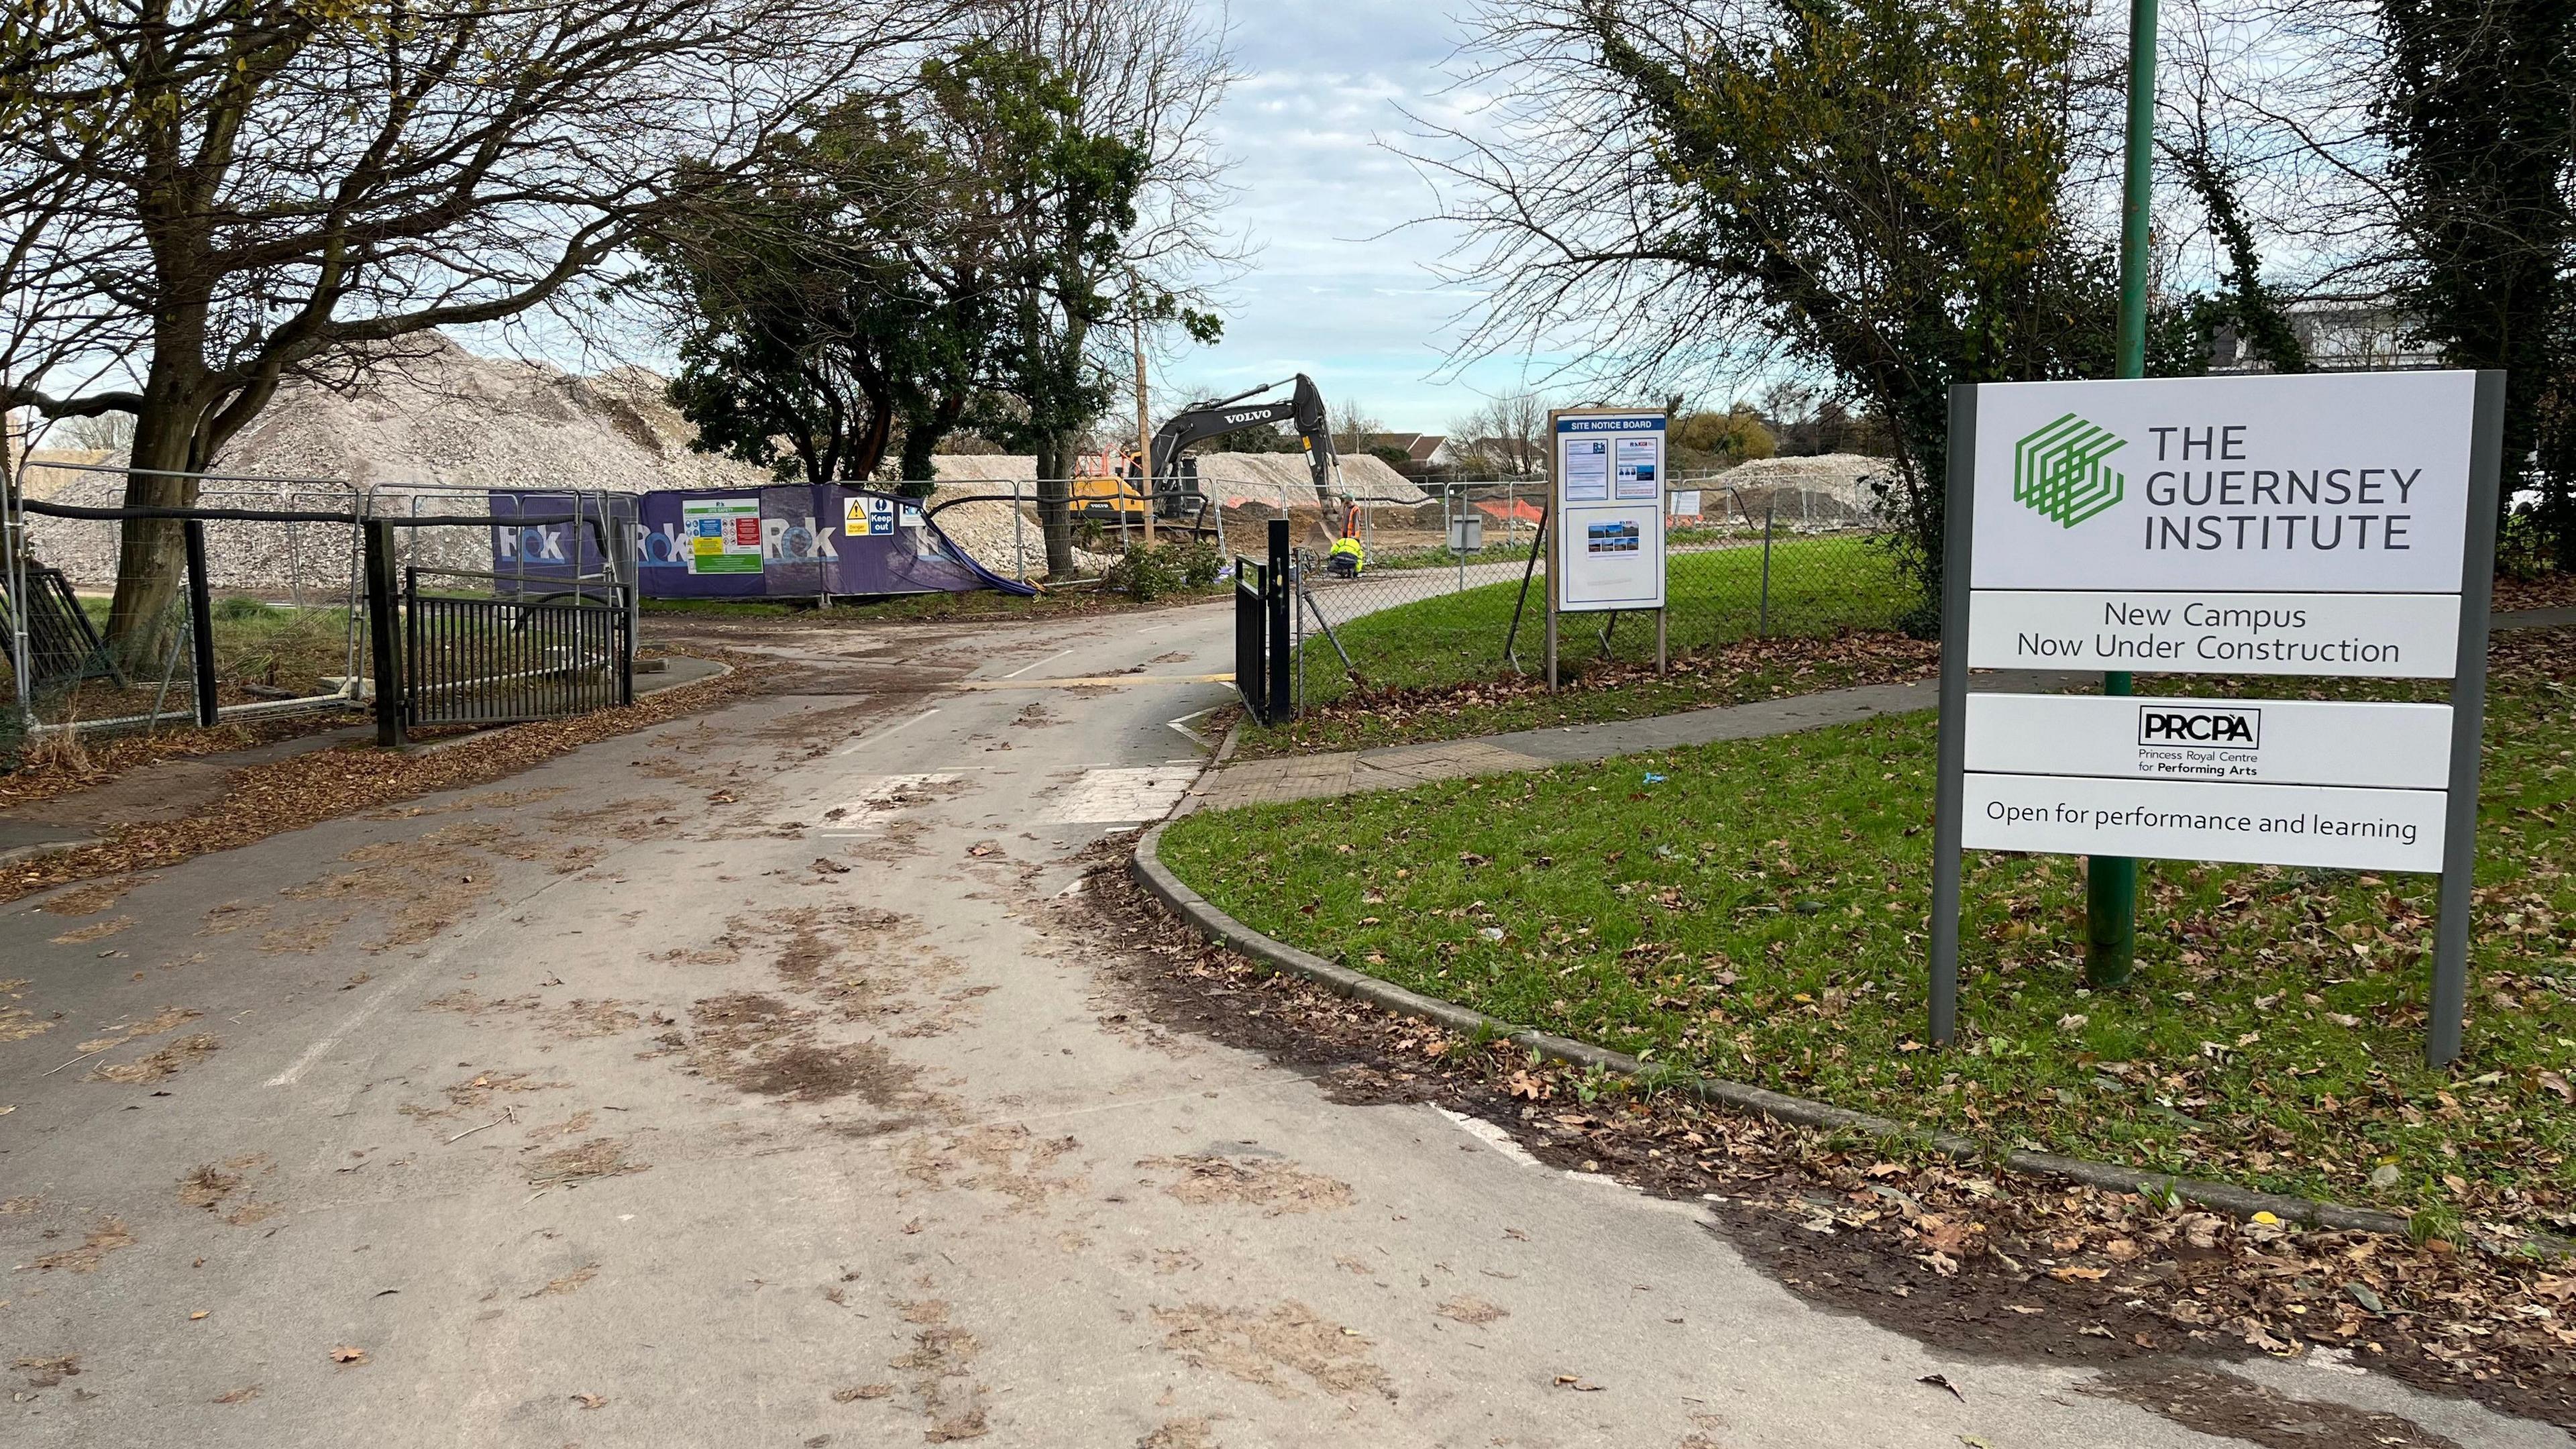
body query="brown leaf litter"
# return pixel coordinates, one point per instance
(1957, 1254)
(856, 1392)
(1273, 1349)
(110, 1235)
(760, 1045)
(1180, 1433)
(91, 899)
(1274, 1186)
(572, 1166)
(45, 1373)
(942, 1365)
(289, 794)
(1469, 1309)
(575, 1019)
(210, 1185)
(95, 931)
(166, 1019)
(161, 1065)
(422, 886)
(2227, 1406)
(1008, 1159)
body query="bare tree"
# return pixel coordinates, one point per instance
(1506, 436)
(238, 190)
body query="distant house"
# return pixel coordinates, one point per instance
(2340, 334)
(1423, 449)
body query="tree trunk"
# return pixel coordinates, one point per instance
(151, 557)
(1055, 503)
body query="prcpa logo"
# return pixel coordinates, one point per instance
(2173, 725)
(2058, 472)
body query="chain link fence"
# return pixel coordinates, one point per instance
(1453, 590)
(270, 608)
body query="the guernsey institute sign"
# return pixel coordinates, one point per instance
(2322, 525)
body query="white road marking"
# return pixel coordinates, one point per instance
(1492, 1136)
(1193, 736)
(331, 1038)
(1123, 796)
(855, 745)
(1025, 668)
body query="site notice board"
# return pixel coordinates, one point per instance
(1606, 552)
(2319, 525)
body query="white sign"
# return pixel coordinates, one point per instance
(1609, 512)
(724, 535)
(2389, 636)
(2198, 820)
(2240, 741)
(1683, 504)
(2351, 482)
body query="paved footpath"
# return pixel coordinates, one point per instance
(751, 1080)
(1394, 767)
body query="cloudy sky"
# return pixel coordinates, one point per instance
(1338, 287)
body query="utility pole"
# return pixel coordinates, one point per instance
(2111, 881)
(1144, 425)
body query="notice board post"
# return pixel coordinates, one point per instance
(2312, 525)
(1606, 505)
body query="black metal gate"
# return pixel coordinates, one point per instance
(449, 657)
(485, 660)
(1263, 649)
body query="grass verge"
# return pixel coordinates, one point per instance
(1434, 668)
(1758, 913)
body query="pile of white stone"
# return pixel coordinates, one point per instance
(1825, 492)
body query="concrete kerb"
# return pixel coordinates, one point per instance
(2227, 1198)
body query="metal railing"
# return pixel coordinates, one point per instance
(496, 660)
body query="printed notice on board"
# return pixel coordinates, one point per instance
(724, 534)
(1587, 470)
(1640, 466)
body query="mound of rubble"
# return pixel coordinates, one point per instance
(1828, 490)
(433, 427)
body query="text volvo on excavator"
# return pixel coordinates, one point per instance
(1175, 490)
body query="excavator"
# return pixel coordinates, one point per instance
(1175, 489)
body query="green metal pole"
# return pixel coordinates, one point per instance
(2111, 881)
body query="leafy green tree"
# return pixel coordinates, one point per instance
(2480, 111)
(1879, 188)
(853, 287)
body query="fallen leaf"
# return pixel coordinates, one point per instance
(829, 866)
(346, 1354)
(856, 1392)
(590, 1401)
(2072, 1274)
(1942, 1381)
(1580, 1386)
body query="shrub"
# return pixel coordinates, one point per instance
(1151, 571)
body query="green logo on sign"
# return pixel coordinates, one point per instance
(2058, 472)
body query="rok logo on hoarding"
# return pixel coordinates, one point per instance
(2058, 471)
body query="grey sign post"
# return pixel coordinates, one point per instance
(2449, 984)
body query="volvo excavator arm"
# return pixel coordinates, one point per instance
(1304, 408)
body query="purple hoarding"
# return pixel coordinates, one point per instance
(781, 542)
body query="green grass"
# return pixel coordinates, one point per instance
(1760, 914)
(1451, 645)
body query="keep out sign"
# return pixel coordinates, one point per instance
(2337, 526)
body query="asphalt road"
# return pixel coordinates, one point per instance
(745, 1082)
